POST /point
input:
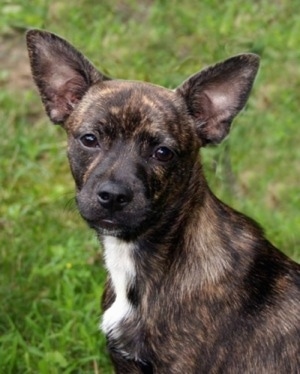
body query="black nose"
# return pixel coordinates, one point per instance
(114, 196)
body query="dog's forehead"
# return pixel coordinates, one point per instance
(129, 104)
(119, 92)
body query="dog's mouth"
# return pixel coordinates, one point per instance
(104, 224)
(112, 227)
(108, 224)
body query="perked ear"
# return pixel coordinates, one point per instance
(216, 94)
(61, 73)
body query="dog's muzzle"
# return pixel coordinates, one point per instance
(113, 207)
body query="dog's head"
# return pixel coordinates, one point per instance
(133, 146)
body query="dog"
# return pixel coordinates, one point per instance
(193, 286)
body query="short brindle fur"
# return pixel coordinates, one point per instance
(193, 286)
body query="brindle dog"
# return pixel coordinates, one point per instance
(193, 286)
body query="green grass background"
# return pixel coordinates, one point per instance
(51, 274)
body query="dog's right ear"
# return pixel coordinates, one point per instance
(62, 74)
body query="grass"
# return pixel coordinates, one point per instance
(51, 274)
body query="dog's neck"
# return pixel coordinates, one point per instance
(208, 235)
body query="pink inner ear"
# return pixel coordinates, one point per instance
(62, 95)
(215, 115)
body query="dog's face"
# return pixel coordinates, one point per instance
(133, 146)
(130, 147)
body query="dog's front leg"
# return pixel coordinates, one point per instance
(125, 366)
(121, 364)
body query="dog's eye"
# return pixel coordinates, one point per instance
(89, 140)
(163, 154)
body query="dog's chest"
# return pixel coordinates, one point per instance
(120, 265)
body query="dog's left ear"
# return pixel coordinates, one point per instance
(215, 95)
(63, 75)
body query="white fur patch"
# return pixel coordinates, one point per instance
(120, 265)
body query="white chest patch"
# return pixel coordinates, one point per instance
(120, 265)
